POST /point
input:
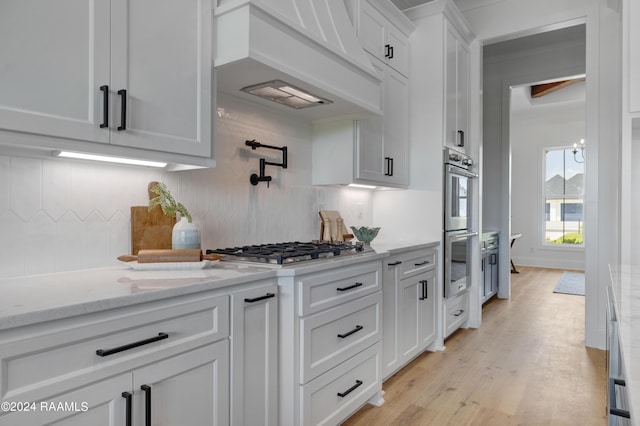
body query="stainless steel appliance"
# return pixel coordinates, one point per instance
(279, 254)
(456, 222)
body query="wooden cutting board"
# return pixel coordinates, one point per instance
(150, 229)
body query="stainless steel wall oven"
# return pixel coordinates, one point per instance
(458, 236)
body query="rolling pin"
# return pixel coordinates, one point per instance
(160, 256)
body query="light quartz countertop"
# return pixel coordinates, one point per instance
(395, 247)
(625, 281)
(39, 298)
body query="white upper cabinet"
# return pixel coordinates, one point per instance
(457, 89)
(382, 38)
(134, 76)
(53, 59)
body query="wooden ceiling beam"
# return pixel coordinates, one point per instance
(539, 90)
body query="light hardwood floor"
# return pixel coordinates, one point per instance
(526, 365)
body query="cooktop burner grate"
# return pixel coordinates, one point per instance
(281, 253)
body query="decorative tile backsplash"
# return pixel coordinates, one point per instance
(59, 215)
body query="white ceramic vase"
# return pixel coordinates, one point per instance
(185, 235)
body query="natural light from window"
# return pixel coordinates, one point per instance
(563, 195)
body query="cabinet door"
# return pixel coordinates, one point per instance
(399, 55)
(427, 309)
(372, 30)
(191, 389)
(370, 149)
(162, 57)
(254, 357)
(390, 312)
(54, 57)
(396, 130)
(98, 404)
(410, 292)
(456, 90)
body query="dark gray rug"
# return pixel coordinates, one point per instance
(571, 283)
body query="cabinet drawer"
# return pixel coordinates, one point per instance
(328, 289)
(51, 357)
(456, 312)
(357, 380)
(416, 262)
(333, 336)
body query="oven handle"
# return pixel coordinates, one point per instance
(453, 170)
(463, 236)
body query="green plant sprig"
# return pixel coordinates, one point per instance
(166, 202)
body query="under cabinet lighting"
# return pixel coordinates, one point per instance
(357, 185)
(108, 159)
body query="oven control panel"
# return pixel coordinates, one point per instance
(457, 159)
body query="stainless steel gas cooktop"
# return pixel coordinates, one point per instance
(287, 253)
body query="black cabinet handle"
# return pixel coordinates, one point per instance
(387, 50)
(425, 291)
(390, 52)
(147, 404)
(391, 158)
(612, 398)
(105, 106)
(396, 263)
(123, 109)
(482, 265)
(351, 287)
(351, 389)
(460, 312)
(107, 352)
(387, 166)
(461, 138)
(426, 262)
(493, 260)
(127, 415)
(349, 333)
(257, 299)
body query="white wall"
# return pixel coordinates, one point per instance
(58, 215)
(556, 120)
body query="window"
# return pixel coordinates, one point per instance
(563, 197)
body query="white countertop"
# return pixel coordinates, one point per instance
(626, 288)
(395, 247)
(39, 298)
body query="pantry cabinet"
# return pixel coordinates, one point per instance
(409, 301)
(443, 64)
(113, 77)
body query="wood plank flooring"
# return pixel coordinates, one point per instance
(526, 365)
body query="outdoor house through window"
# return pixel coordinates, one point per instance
(563, 197)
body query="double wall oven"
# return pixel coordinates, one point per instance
(458, 235)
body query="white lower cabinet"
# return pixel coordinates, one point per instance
(410, 304)
(254, 356)
(330, 332)
(163, 362)
(456, 313)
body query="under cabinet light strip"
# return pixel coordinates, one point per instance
(357, 185)
(107, 159)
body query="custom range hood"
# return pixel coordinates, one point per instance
(301, 46)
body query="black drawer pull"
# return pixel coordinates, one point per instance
(127, 415)
(396, 263)
(107, 352)
(426, 262)
(425, 290)
(123, 109)
(350, 287)
(351, 389)
(257, 299)
(147, 404)
(460, 312)
(461, 138)
(105, 106)
(349, 333)
(620, 413)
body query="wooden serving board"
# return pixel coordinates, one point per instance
(150, 229)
